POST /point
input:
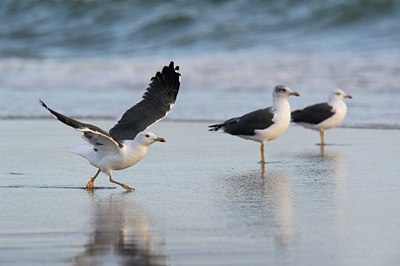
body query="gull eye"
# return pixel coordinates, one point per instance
(147, 135)
(337, 93)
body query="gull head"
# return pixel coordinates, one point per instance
(282, 91)
(338, 94)
(147, 138)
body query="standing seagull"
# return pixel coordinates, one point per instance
(127, 142)
(262, 125)
(323, 116)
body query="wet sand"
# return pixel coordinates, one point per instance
(202, 199)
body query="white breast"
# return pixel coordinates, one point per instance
(107, 160)
(281, 121)
(335, 120)
(129, 155)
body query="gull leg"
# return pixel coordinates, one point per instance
(90, 184)
(262, 170)
(127, 188)
(322, 150)
(322, 135)
(262, 154)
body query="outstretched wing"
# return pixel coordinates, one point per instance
(313, 114)
(156, 103)
(92, 134)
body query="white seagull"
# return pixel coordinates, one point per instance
(262, 125)
(323, 116)
(127, 142)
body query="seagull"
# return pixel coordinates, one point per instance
(128, 141)
(323, 116)
(264, 124)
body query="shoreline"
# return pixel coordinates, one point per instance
(107, 118)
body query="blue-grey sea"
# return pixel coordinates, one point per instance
(90, 58)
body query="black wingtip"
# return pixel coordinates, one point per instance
(43, 104)
(215, 127)
(176, 68)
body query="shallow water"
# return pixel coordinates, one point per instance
(202, 199)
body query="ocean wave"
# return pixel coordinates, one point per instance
(79, 28)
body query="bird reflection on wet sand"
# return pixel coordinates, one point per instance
(279, 196)
(322, 148)
(120, 235)
(263, 198)
(324, 174)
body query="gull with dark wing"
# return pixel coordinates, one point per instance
(264, 124)
(323, 116)
(128, 141)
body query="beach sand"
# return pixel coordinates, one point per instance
(201, 199)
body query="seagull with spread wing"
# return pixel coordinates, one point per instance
(128, 141)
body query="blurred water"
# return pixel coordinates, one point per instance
(95, 58)
(107, 29)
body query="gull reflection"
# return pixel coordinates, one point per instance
(339, 172)
(120, 235)
(278, 187)
(265, 199)
(322, 148)
(327, 173)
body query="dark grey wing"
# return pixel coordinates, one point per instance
(157, 101)
(217, 127)
(246, 124)
(313, 114)
(92, 134)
